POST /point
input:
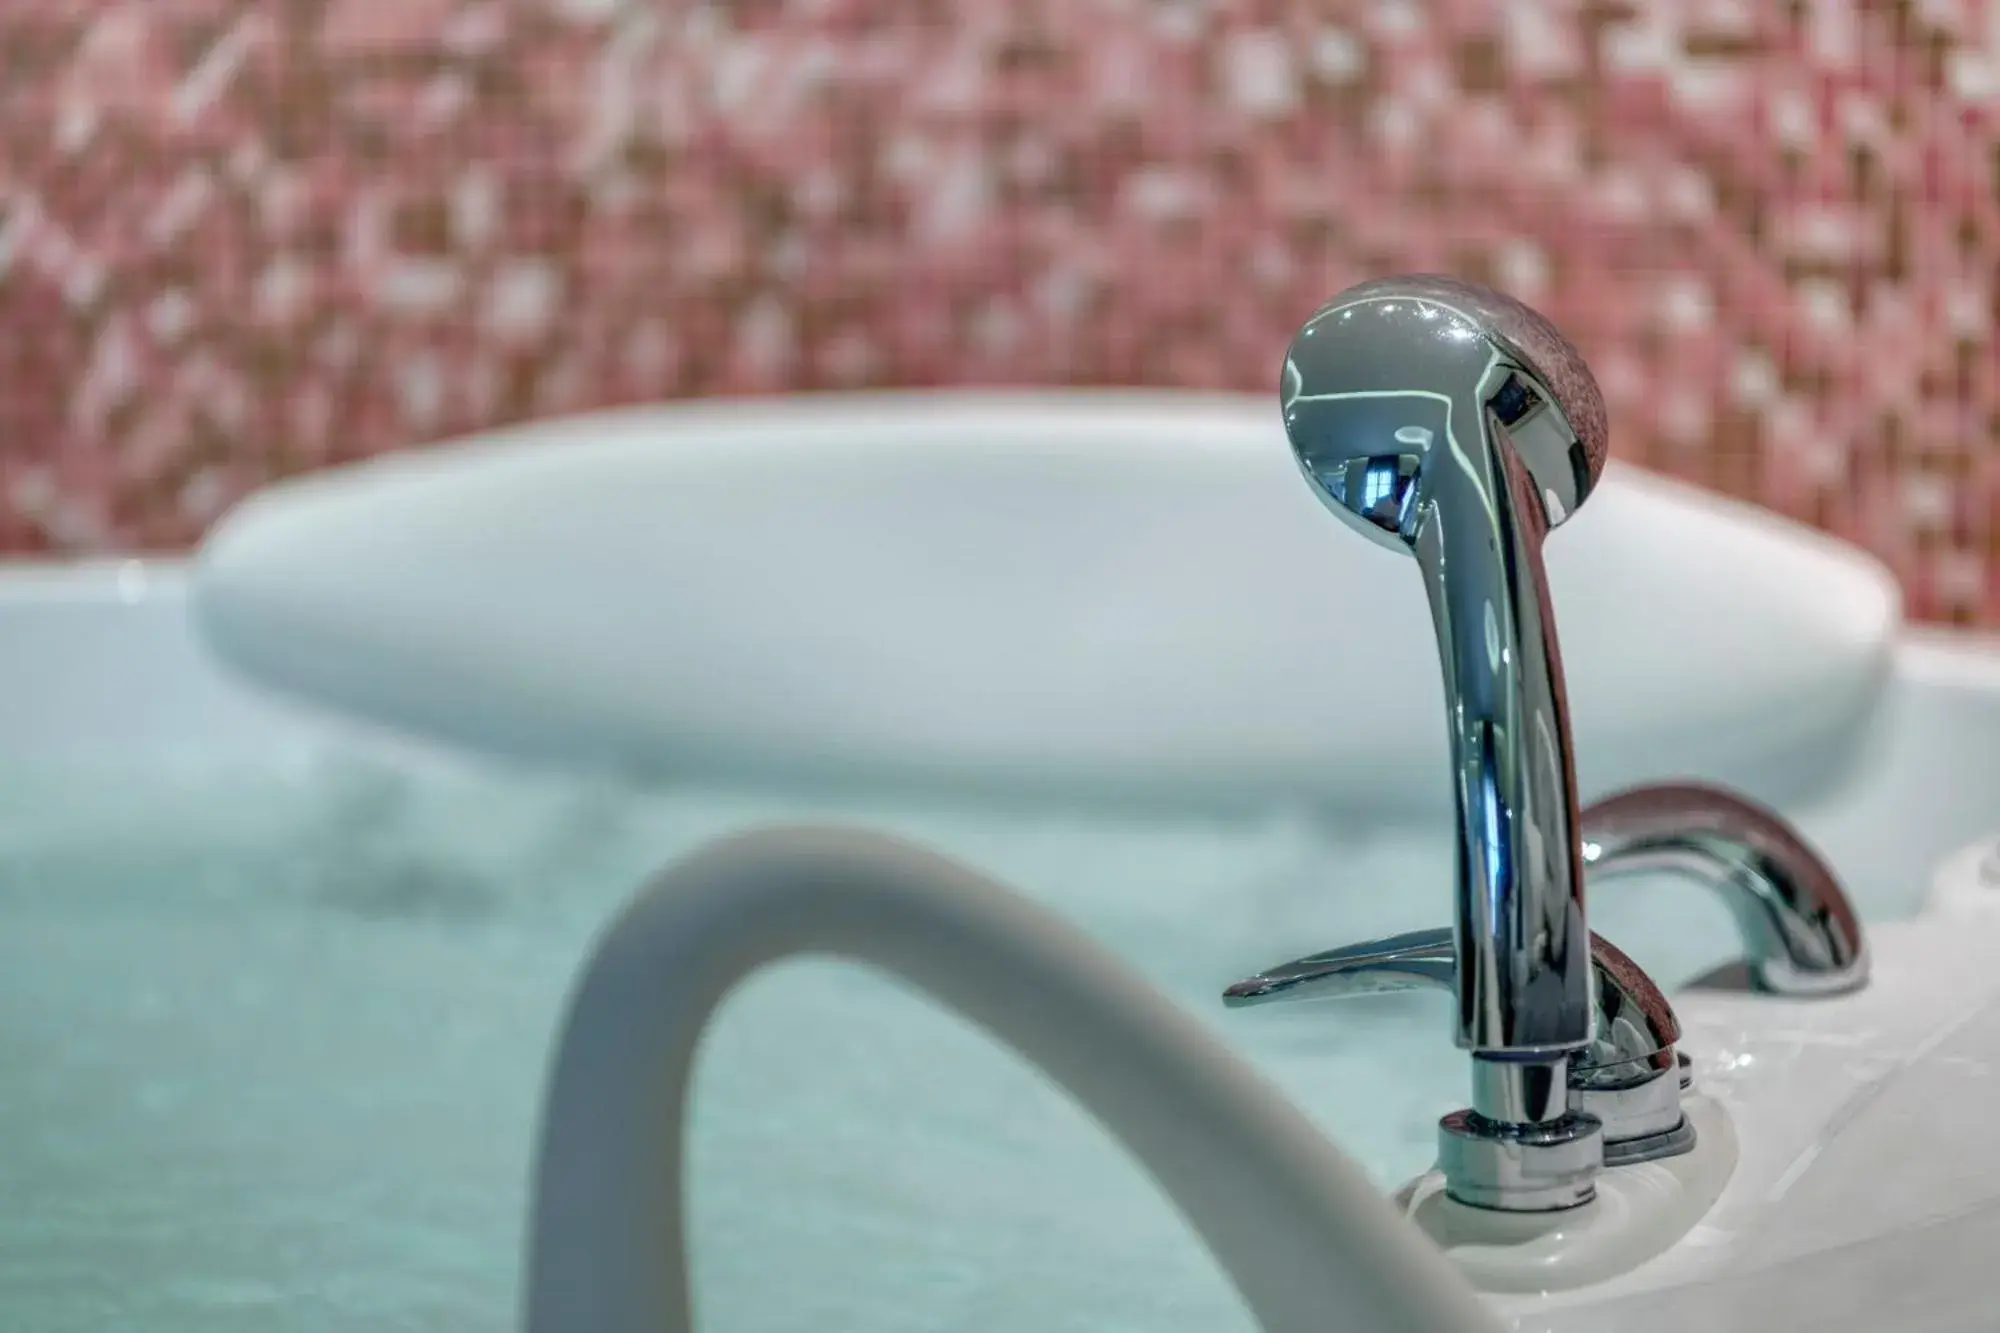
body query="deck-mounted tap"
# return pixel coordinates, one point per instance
(1797, 932)
(1454, 423)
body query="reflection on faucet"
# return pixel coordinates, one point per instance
(1302, 1232)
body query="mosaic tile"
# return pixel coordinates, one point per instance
(244, 238)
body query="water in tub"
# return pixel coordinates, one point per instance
(273, 1043)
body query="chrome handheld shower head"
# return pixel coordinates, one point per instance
(1387, 381)
(1455, 424)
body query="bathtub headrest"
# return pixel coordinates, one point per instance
(1101, 595)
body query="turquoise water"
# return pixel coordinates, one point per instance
(271, 1046)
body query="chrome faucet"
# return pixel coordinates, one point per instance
(1796, 928)
(1455, 424)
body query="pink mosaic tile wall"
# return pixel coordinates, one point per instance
(241, 238)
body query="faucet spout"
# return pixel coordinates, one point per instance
(1300, 1230)
(1800, 932)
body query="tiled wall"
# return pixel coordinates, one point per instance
(239, 238)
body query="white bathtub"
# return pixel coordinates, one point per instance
(249, 1098)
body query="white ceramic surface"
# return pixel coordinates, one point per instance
(1083, 596)
(1868, 1191)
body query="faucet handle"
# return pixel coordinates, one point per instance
(1629, 1076)
(1411, 961)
